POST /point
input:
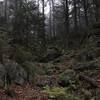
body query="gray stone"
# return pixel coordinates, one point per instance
(20, 76)
(51, 54)
(2, 75)
(15, 72)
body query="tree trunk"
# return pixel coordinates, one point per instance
(85, 11)
(43, 36)
(67, 24)
(75, 17)
(53, 19)
(97, 10)
(5, 11)
(50, 19)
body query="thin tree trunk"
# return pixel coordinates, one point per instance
(85, 11)
(53, 19)
(50, 19)
(75, 17)
(97, 10)
(43, 36)
(67, 24)
(5, 11)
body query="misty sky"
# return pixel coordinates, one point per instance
(46, 8)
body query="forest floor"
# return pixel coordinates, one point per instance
(31, 91)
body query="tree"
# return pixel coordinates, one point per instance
(67, 23)
(50, 18)
(6, 10)
(75, 16)
(42, 35)
(85, 4)
(97, 9)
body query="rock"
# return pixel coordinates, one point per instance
(15, 72)
(2, 75)
(52, 53)
(21, 76)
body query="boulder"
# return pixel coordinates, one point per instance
(15, 72)
(20, 76)
(2, 75)
(52, 53)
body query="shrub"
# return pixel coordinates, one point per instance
(59, 93)
(67, 79)
(30, 68)
(22, 54)
(49, 68)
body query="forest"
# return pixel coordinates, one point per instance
(49, 49)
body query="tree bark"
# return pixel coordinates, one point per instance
(85, 11)
(50, 19)
(5, 11)
(97, 10)
(67, 24)
(53, 19)
(75, 16)
(43, 36)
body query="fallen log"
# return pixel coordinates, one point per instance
(91, 81)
